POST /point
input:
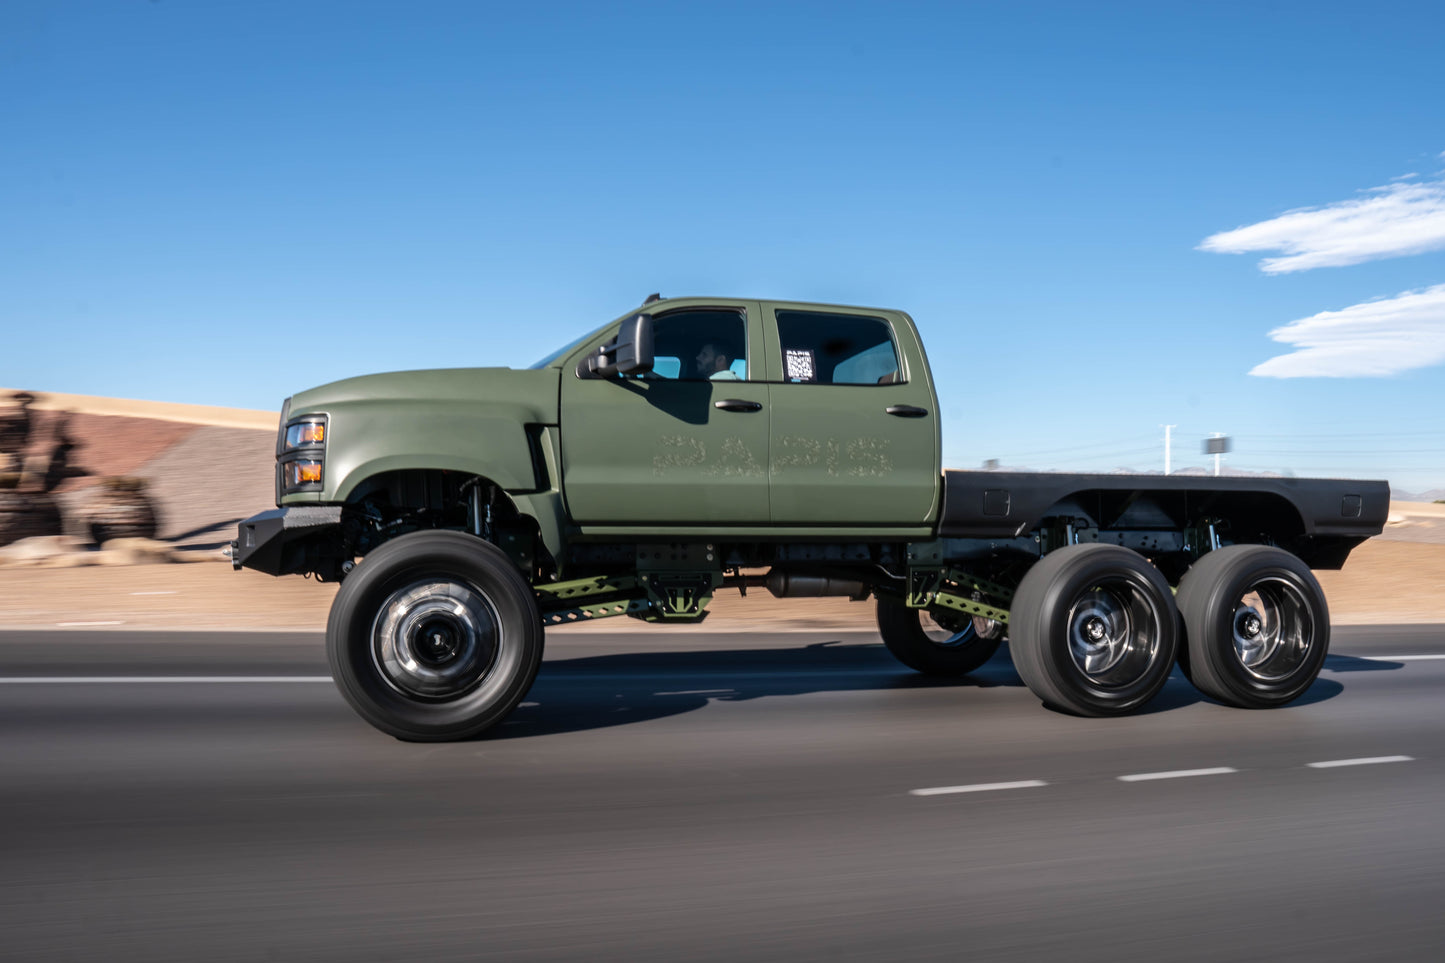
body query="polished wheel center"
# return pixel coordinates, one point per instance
(435, 639)
(1113, 632)
(438, 642)
(1273, 629)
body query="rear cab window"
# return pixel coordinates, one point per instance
(836, 349)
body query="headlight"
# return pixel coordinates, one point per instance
(306, 434)
(302, 455)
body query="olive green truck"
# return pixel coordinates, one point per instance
(700, 444)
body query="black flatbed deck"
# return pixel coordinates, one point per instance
(1320, 518)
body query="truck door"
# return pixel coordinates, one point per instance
(686, 444)
(855, 437)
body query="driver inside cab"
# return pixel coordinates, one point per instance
(714, 361)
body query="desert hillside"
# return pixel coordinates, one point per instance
(205, 467)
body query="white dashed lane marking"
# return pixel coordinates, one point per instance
(977, 787)
(1176, 774)
(1149, 776)
(151, 679)
(1366, 761)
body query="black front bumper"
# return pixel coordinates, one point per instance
(274, 541)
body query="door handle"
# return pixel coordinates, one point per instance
(738, 404)
(906, 411)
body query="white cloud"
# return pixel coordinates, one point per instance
(1372, 339)
(1406, 217)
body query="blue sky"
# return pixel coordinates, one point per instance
(1080, 204)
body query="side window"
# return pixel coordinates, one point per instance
(836, 349)
(700, 345)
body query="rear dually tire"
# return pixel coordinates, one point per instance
(1093, 630)
(1257, 628)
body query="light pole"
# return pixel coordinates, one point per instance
(1168, 448)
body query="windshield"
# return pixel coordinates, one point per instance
(572, 346)
(560, 352)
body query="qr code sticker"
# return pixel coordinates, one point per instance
(799, 362)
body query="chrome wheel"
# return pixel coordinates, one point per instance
(435, 639)
(1272, 629)
(945, 645)
(1114, 634)
(947, 631)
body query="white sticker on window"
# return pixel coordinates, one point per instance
(799, 364)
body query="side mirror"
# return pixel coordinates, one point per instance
(628, 353)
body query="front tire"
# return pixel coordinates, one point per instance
(1094, 630)
(434, 636)
(944, 646)
(1256, 624)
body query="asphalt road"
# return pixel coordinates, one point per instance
(670, 796)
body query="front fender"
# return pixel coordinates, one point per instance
(471, 420)
(504, 459)
(369, 438)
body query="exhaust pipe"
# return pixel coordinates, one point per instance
(788, 586)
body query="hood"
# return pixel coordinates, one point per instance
(532, 394)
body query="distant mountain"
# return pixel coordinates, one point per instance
(1124, 470)
(1430, 496)
(1231, 472)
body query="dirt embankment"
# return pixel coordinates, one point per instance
(205, 467)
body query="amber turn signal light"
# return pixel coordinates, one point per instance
(300, 473)
(305, 434)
